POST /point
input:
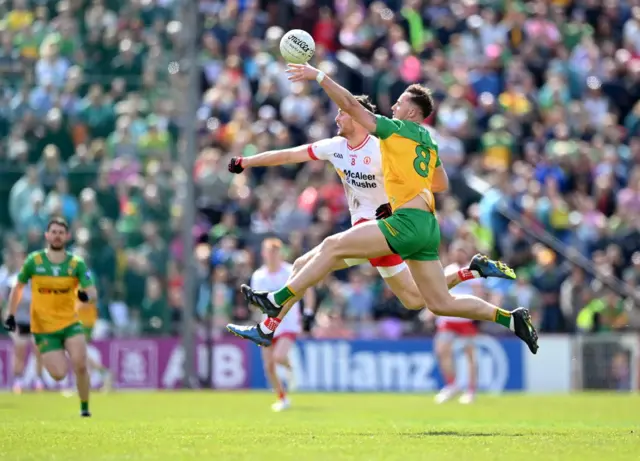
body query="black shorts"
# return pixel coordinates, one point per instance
(23, 329)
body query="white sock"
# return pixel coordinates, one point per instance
(264, 328)
(272, 298)
(476, 274)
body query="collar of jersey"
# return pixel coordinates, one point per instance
(359, 146)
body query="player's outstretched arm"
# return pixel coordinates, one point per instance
(87, 290)
(440, 180)
(271, 158)
(338, 94)
(14, 302)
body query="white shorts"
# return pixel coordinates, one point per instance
(385, 271)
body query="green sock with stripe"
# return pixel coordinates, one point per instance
(283, 295)
(503, 317)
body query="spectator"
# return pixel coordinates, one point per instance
(535, 107)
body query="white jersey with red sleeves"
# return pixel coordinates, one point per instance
(264, 280)
(464, 288)
(360, 169)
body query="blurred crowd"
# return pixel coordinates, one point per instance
(539, 99)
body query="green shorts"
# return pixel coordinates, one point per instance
(88, 332)
(48, 342)
(413, 234)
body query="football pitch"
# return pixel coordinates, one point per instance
(227, 426)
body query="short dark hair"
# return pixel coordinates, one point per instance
(58, 221)
(421, 97)
(366, 102)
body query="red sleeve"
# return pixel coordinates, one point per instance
(310, 151)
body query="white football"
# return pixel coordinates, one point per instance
(297, 46)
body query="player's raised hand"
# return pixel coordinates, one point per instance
(10, 323)
(301, 72)
(235, 165)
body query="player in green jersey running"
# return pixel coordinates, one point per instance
(56, 276)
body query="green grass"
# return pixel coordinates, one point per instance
(329, 427)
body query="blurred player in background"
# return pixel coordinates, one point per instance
(450, 329)
(88, 315)
(356, 156)
(21, 337)
(272, 274)
(57, 277)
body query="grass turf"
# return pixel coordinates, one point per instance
(203, 425)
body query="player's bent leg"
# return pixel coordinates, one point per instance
(20, 347)
(429, 276)
(51, 347)
(76, 346)
(55, 362)
(444, 352)
(363, 241)
(292, 302)
(39, 366)
(269, 365)
(403, 286)
(469, 395)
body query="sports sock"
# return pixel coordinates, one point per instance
(282, 395)
(84, 406)
(503, 317)
(466, 274)
(269, 325)
(449, 379)
(281, 296)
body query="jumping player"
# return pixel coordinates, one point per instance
(271, 275)
(450, 329)
(55, 275)
(21, 337)
(355, 155)
(410, 163)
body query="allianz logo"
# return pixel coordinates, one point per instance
(339, 366)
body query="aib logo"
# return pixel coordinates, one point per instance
(367, 160)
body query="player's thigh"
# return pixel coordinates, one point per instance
(444, 343)
(282, 348)
(403, 286)
(431, 282)
(362, 241)
(76, 346)
(20, 346)
(55, 362)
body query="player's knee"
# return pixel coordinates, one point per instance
(280, 358)
(440, 305)
(332, 246)
(58, 374)
(297, 265)
(412, 301)
(268, 363)
(80, 367)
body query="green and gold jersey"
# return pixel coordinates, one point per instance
(409, 158)
(53, 286)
